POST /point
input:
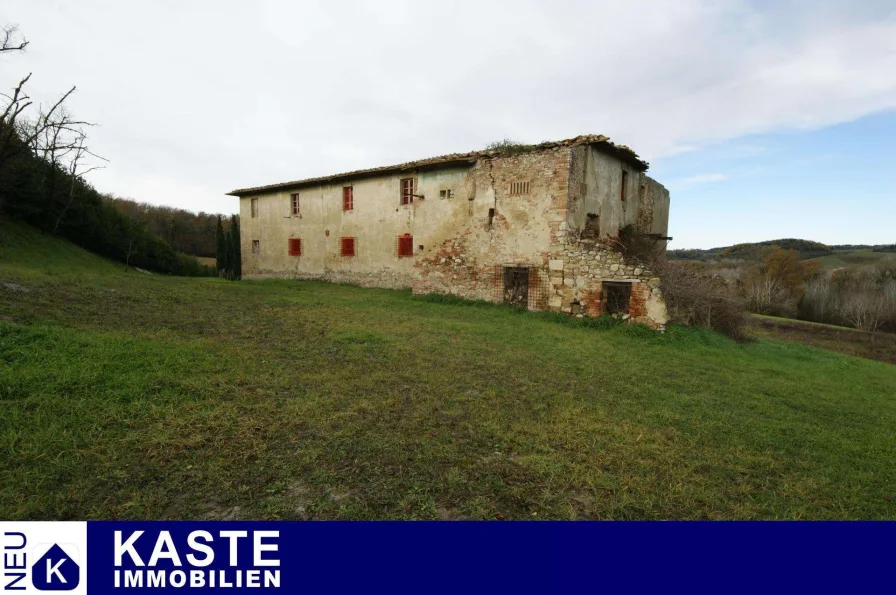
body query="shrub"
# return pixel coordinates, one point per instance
(695, 298)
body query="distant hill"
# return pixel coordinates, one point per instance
(753, 251)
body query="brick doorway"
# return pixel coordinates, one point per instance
(516, 286)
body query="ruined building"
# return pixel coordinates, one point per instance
(535, 226)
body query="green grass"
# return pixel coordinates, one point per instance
(124, 395)
(853, 258)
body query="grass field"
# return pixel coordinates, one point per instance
(853, 258)
(878, 346)
(124, 395)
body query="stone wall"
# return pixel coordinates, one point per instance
(578, 270)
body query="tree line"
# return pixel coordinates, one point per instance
(44, 157)
(186, 231)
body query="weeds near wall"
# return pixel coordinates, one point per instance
(695, 298)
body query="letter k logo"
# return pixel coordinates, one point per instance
(55, 571)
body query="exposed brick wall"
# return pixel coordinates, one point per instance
(519, 231)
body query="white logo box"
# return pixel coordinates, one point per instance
(39, 537)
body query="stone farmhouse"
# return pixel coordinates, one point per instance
(532, 226)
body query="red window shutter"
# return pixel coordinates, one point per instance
(405, 245)
(295, 246)
(348, 199)
(348, 246)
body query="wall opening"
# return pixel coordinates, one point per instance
(622, 186)
(491, 217)
(592, 226)
(516, 286)
(617, 296)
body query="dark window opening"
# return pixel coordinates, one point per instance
(622, 191)
(617, 297)
(516, 286)
(347, 247)
(256, 247)
(592, 225)
(491, 217)
(405, 245)
(295, 246)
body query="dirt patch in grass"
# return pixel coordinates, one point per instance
(876, 346)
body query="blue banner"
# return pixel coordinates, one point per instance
(460, 557)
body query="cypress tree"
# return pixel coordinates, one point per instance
(237, 262)
(221, 252)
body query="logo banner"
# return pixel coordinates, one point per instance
(425, 557)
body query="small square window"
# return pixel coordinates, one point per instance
(408, 190)
(405, 245)
(347, 247)
(446, 193)
(256, 247)
(295, 246)
(348, 199)
(254, 207)
(294, 201)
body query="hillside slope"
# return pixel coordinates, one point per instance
(126, 395)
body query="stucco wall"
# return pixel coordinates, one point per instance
(376, 221)
(471, 249)
(596, 189)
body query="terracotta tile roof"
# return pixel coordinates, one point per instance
(602, 143)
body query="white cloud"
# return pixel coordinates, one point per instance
(701, 179)
(198, 98)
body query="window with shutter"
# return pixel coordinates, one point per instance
(408, 189)
(348, 199)
(405, 245)
(347, 247)
(295, 246)
(294, 201)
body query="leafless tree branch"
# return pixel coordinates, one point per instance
(9, 43)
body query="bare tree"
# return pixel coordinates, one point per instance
(11, 40)
(77, 161)
(52, 134)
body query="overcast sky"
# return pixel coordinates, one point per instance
(742, 108)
